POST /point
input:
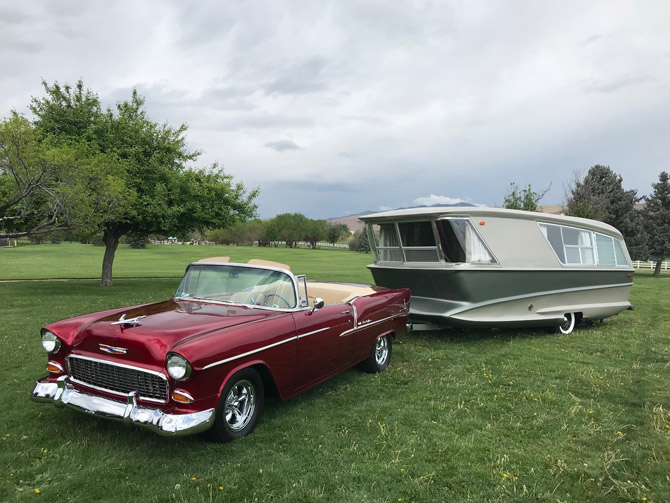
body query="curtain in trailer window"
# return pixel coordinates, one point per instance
(578, 246)
(470, 249)
(388, 246)
(575, 246)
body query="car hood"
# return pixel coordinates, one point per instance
(162, 327)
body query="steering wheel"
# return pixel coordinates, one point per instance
(275, 295)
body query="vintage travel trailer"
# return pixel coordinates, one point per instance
(478, 267)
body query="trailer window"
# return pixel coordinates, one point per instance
(575, 246)
(578, 246)
(461, 243)
(418, 241)
(610, 252)
(386, 243)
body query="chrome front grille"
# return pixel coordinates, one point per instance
(117, 378)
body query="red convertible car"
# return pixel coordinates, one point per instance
(205, 359)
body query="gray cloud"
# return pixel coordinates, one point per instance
(617, 84)
(307, 77)
(12, 16)
(282, 145)
(396, 100)
(24, 46)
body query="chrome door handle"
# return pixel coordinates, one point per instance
(345, 312)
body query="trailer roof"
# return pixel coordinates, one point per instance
(480, 211)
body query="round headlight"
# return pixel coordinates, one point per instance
(50, 342)
(178, 367)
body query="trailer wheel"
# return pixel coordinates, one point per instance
(569, 325)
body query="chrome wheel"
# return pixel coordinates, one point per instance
(381, 350)
(380, 356)
(240, 405)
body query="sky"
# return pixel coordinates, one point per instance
(333, 108)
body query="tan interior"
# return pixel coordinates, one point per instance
(269, 263)
(333, 293)
(215, 259)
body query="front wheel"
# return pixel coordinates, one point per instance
(240, 406)
(381, 356)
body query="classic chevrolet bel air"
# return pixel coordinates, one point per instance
(232, 334)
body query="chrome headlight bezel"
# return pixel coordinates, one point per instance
(178, 367)
(50, 342)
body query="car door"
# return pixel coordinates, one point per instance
(322, 351)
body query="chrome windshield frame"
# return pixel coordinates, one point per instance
(291, 276)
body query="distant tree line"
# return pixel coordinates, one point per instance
(286, 228)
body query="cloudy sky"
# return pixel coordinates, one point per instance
(334, 108)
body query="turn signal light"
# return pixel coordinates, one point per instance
(181, 396)
(55, 368)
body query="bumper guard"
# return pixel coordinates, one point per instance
(62, 393)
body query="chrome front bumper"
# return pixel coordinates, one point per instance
(62, 393)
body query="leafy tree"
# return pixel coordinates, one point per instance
(255, 229)
(600, 196)
(336, 232)
(270, 232)
(162, 196)
(363, 241)
(524, 199)
(218, 236)
(656, 218)
(46, 187)
(28, 204)
(359, 241)
(290, 228)
(315, 231)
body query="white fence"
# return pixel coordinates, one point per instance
(649, 264)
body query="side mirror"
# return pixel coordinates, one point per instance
(318, 304)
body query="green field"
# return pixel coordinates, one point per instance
(458, 416)
(73, 260)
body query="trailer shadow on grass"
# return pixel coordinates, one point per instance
(469, 336)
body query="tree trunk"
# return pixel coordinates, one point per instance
(657, 269)
(111, 240)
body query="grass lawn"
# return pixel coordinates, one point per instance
(458, 416)
(74, 260)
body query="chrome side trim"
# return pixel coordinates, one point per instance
(254, 351)
(62, 393)
(372, 324)
(221, 362)
(534, 294)
(312, 332)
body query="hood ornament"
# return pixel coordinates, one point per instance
(132, 321)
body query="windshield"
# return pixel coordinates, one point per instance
(238, 285)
